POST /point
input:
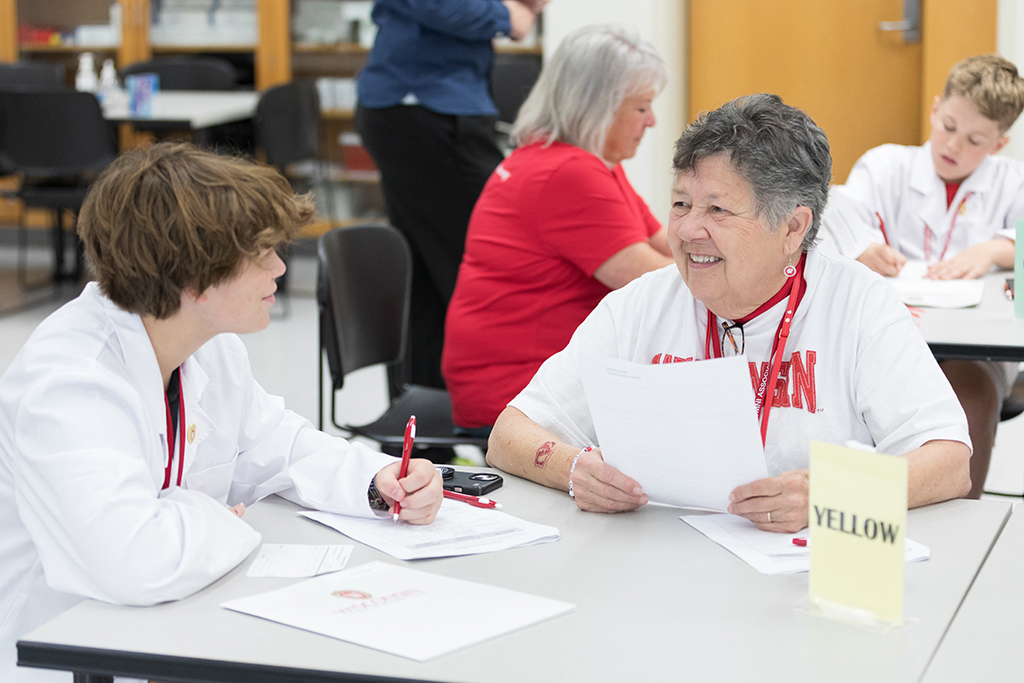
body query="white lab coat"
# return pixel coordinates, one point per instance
(900, 184)
(83, 448)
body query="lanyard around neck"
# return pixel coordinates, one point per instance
(928, 234)
(770, 376)
(170, 436)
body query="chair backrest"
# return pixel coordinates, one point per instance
(27, 74)
(287, 123)
(188, 73)
(54, 134)
(364, 284)
(512, 79)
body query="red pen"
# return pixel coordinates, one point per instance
(802, 542)
(472, 500)
(410, 436)
(881, 226)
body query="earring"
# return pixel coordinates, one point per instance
(789, 270)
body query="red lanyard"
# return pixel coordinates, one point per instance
(171, 439)
(770, 376)
(928, 232)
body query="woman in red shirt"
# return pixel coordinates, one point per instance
(558, 225)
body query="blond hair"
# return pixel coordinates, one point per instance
(169, 218)
(991, 84)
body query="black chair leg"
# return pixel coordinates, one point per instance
(22, 274)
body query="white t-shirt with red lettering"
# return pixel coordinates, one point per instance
(855, 366)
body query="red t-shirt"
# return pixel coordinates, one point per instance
(546, 220)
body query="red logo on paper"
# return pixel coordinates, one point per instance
(352, 595)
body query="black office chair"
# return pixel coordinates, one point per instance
(512, 79)
(363, 288)
(287, 127)
(59, 142)
(188, 73)
(1013, 405)
(28, 75)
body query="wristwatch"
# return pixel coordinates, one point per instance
(377, 501)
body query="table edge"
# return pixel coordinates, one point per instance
(98, 662)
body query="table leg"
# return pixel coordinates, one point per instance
(92, 678)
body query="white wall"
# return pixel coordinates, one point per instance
(1010, 44)
(659, 22)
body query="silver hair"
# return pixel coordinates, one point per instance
(776, 148)
(578, 92)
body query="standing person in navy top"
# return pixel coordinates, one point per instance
(427, 118)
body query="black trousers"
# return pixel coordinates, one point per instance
(433, 168)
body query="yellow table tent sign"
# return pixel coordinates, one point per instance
(858, 520)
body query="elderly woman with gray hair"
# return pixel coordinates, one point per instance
(833, 354)
(558, 225)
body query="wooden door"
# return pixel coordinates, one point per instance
(863, 86)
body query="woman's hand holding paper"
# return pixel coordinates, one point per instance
(776, 503)
(599, 487)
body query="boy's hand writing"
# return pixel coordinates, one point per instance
(883, 259)
(420, 492)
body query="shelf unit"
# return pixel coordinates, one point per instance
(276, 59)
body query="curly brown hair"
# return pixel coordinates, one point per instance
(171, 217)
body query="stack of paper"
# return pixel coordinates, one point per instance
(458, 530)
(768, 552)
(376, 603)
(915, 290)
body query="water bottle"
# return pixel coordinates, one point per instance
(85, 79)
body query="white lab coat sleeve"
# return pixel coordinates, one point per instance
(282, 452)
(849, 219)
(1015, 210)
(88, 491)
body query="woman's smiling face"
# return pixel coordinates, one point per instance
(725, 254)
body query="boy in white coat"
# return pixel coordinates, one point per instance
(132, 432)
(951, 203)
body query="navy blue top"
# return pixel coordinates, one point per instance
(436, 53)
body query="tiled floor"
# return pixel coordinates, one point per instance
(284, 360)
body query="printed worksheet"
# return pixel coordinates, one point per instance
(769, 552)
(375, 603)
(687, 432)
(295, 561)
(458, 530)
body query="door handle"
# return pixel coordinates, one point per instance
(910, 25)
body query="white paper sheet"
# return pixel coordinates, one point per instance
(687, 432)
(914, 290)
(299, 561)
(401, 611)
(768, 552)
(458, 530)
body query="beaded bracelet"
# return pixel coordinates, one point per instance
(572, 469)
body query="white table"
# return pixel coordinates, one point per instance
(655, 600)
(986, 331)
(188, 109)
(985, 640)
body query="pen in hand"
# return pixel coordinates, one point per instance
(410, 435)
